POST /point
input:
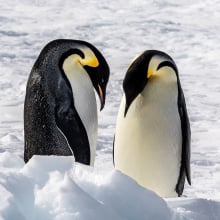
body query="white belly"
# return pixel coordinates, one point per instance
(85, 103)
(148, 141)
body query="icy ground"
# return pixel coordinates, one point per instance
(188, 30)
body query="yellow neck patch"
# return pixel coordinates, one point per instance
(91, 61)
(150, 73)
(90, 58)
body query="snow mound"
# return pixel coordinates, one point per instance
(55, 188)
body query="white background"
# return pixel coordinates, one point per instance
(189, 31)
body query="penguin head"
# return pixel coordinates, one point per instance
(81, 54)
(142, 70)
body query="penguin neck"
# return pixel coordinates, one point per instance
(162, 89)
(84, 101)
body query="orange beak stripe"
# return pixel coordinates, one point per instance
(101, 94)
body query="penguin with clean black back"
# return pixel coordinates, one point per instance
(152, 138)
(60, 110)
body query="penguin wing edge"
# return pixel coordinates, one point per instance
(71, 126)
(186, 144)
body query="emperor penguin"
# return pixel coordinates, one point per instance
(60, 109)
(152, 138)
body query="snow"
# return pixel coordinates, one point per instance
(53, 187)
(187, 30)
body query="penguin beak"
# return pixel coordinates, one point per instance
(132, 92)
(99, 76)
(126, 109)
(101, 93)
(129, 100)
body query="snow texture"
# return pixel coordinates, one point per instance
(187, 30)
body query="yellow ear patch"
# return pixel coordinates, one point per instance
(90, 58)
(93, 62)
(150, 73)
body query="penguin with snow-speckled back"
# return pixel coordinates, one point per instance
(152, 138)
(60, 111)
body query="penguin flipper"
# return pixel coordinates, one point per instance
(70, 124)
(186, 148)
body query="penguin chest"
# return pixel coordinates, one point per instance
(85, 104)
(148, 140)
